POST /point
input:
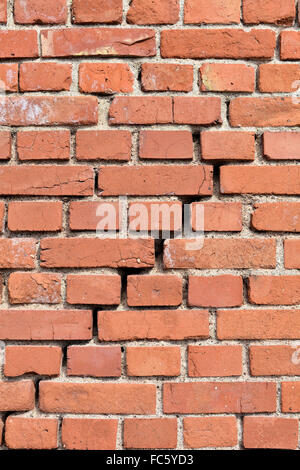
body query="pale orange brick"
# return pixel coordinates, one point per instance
(153, 361)
(31, 433)
(94, 361)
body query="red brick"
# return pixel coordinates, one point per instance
(41, 360)
(282, 12)
(278, 78)
(153, 433)
(155, 180)
(43, 180)
(167, 77)
(48, 110)
(274, 290)
(43, 145)
(227, 145)
(147, 291)
(2, 210)
(215, 361)
(40, 11)
(153, 361)
(290, 397)
(219, 397)
(154, 12)
(96, 253)
(17, 253)
(93, 289)
(218, 216)
(17, 396)
(86, 215)
(274, 360)
(97, 11)
(141, 110)
(227, 77)
(216, 431)
(5, 145)
(105, 78)
(215, 291)
(227, 253)
(282, 145)
(8, 77)
(103, 145)
(289, 45)
(89, 434)
(260, 179)
(216, 11)
(17, 44)
(270, 433)
(31, 433)
(197, 111)
(45, 76)
(37, 325)
(258, 324)
(37, 216)
(34, 288)
(276, 217)
(275, 111)
(155, 216)
(218, 43)
(166, 145)
(94, 361)
(98, 42)
(3, 19)
(97, 398)
(169, 325)
(1, 424)
(292, 254)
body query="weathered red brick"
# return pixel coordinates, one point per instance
(214, 361)
(227, 145)
(147, 291)
(97, 398)
(41, 360)
(146, 325)
(17, 253)
(166, 144)
(5, 145)
(37, 325)
(3, 19)
(17, 396)
(97, 11)
(153, 433)
(40, 11)
(167, 77)
(276, 217)
(260, 179)
(105, 78)
(292, 254)
(45, 76)
(282, 12)
(155, 216)
(227, 77)
(86, 215)
(270, 433)
(216, 431)
(153, 361)
(218, 43)
(274, 290)
(290, 397)
(141, 110)
(289, 45)
(278, 78)
(8, 77)
(216, 11)
(154, 12)
(94, 361)
(227, 253)
(274, 360)
(215, 291)
(97, 42)
(34, 288)
(89, 434)
(48, 110)
(93, 289)
(31, 433)
(43, 145)
(219, 397)
(199, 111)
(103, 145)
(96, 252)
(37, 216)
(218, 216)
(155, 180)
(18, 44)
(282, 145)
(258, 324)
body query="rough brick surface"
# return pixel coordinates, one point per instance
(149, 224)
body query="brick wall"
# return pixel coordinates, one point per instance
(113, 342)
